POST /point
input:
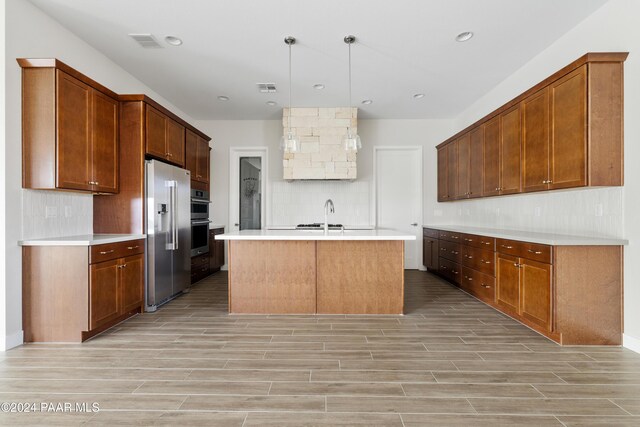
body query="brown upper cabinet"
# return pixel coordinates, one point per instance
(197, 157)
(565, 132)
(463, 165)
(510, 151)
(69, 129)
(165, 138)
(443, 188)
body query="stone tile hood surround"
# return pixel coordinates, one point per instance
(321, 154)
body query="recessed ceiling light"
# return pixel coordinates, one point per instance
(318, 86)
(173, 40)
(367, 102)
(463, 37)
(418, 96)
(272, 103)
(223, 98)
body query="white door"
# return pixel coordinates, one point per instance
(247, 187)
(398, 196)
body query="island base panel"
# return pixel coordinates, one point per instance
(272, 277)
(360, 277)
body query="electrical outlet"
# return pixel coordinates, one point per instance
(51, 212)
(599, 209)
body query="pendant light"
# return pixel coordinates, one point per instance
(351, 141)
(289, 142)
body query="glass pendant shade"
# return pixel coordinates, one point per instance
(351, 141)
(289, 143)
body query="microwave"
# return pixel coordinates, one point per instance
(200, 204)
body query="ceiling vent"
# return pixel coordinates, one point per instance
(147, 41)
(267, 87)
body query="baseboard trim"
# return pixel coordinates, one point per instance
(13, 340)
(632, 343)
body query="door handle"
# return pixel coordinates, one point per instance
(173, 232)
(236, 225)
(415, 224)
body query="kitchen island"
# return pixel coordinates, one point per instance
(309, 272)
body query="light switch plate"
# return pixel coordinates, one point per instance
(51, 212)
(599, 209)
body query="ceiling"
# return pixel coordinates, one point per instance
(403, 47)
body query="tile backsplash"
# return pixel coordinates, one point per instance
(56, 214)
(597, 212)
(301, 202)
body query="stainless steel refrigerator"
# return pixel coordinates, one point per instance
(168, 225)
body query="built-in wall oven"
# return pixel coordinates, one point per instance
(199, 222)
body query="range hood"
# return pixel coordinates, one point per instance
(321, 155)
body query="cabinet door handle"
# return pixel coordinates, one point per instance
(122, 266)
(455, 237)
(469, 279)
(485, 286)
(517, 265)
(443, 267)
(455, 253)
(534, 252)
(107, 252)
(507, 246)
(486, 243)
(132, 247)
(454, 272)
(93, 183)
(486, 262)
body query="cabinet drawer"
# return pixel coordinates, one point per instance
(449, 270)
(430, 232)
(108, 251)
(488, 243)
(533, 251)
(478, 284)
(199, 261)
(450, 251)
(479, 259)
(449, 236)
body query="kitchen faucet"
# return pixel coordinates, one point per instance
(328, 206)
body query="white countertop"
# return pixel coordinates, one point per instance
(214, 226)
(82, 240)
(551, 239)
(377, 234)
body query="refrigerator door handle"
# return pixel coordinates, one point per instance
(175, 215)
(173, 244)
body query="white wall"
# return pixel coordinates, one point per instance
(614, 27)
(31, 33)
(3, 170)
(351, 210)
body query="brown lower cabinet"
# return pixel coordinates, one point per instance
(571, 294)
(103, 284)
(199, 267)
(216, 250)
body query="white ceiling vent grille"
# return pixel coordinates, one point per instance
(267, 87)
(147, 41)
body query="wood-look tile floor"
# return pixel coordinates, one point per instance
(450, 361)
